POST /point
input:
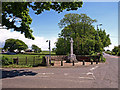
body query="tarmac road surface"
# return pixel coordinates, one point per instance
(103, 75)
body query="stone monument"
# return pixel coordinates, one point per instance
(72, 57)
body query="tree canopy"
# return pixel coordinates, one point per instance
(15, 15)
(86, 39)
(36, 48)
(116, 50)
(13, 44)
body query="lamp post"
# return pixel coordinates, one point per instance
(49, 51)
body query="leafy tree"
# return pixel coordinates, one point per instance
(60, 47)
(5, 61)
(15, 15)
(13, 44)
(36, 48)
(116, 50)
(71, 20)
(85, 37)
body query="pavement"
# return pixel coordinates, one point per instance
(103, 75)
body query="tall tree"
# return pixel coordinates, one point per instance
(116, 50)
(36, 48)
(84, 35)
(71, 20)
(15, 15)
(13, 44)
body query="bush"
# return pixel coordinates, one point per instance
(6, 61)
(118, 54)
(102, 59)
(113, 53)
(109, 52)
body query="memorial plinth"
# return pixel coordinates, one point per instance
(72, 57)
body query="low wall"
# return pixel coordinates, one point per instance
(87, 58)
(59, 58)
(78, 57)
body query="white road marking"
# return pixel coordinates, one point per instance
(65, 74)
(45, 73)
(93, 68)
(86, 77)
(43, 76)
(90, 73)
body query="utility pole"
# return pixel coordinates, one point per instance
(49, 51)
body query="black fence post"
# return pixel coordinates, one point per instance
(12, 60)
(33, 61)
(73, 63)
(26, 60)
(61, 62)
(83, 62)
(17, 60)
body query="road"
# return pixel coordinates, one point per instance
(103, 75)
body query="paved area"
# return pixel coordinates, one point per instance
(103, 75)
(58, 64)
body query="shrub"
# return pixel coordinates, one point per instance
(113, 53)
(91, 60)
(103, 59)
(118, 53)
(5, 61)
(109, 52)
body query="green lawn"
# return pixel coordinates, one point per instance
(41, 53)
(31, 59)
(46, 52)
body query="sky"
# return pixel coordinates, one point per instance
(45, 25)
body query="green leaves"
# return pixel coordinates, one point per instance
(86, 39)
(36, 48)
(13, 44)
(20, 10)
(116, 50)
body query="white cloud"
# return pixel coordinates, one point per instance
(110, 47)
(39, 41)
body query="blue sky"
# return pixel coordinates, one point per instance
(45, 26)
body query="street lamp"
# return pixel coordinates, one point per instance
(49, 51)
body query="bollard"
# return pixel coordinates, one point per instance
(73, 63)
(91, 62)
(83, 62)
(97, 62)
(61, 62)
